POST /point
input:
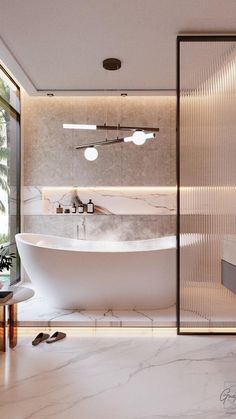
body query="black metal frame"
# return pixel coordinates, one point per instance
(16, 114)
(119, 127)
(188, 38)
(105, 142)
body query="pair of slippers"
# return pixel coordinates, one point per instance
(49, 339)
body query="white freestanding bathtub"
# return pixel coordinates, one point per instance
(83, 274)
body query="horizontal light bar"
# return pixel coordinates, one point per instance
(138, 189)
(119, 189)
(79, 126)
(151, 135)
(110, 127)
(128, 139)
(103, 331)
(207, 330)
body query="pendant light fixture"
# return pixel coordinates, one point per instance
(138, 136)
(91, 153)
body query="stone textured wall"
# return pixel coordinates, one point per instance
(50, 159)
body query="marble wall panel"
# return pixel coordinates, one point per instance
(122, 200)
(52, 225)
(102, 227)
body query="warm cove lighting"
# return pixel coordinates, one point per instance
(129, 189)
(90, 153)
(105, 331)
(79, 126)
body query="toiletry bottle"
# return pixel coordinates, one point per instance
(81, 208)
(59, 210)
(90, 207)
(73, 208)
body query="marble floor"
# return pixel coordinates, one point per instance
(119, 374)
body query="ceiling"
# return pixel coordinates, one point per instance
(59, 45)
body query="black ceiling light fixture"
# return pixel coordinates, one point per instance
(111, 64)
(138, 135)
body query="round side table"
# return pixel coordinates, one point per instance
(19, 294)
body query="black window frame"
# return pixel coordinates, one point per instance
(16, 114)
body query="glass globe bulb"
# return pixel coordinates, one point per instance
(139, 137)
(90, 153)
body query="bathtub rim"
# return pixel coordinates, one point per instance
(20, 237)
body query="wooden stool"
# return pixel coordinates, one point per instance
(8, 316)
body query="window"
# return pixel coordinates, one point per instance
(9, 171)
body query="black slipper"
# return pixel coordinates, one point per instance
(56, 336)
(40, 338)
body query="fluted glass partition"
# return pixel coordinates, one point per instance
(207, 184)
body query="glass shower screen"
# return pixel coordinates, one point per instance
(206, 184)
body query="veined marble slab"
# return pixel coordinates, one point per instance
(39, 200)
(36, 312)
(32, 200)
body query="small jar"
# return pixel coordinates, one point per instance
(59, 209)
(90, 207)
(73, 208)
(81, 208)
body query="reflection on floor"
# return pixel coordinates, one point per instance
(215, 305)
(119, 376)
